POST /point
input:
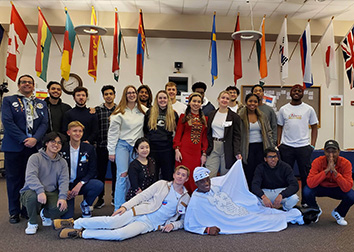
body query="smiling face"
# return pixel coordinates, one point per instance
(233, 95)
(172, 92)
(131, 95)
(296, 93)
(80, 98)
(180, 176)
(259, 92)
(75, 133)
(143, 150)
(252, 103)
(109, 96)
(53, 146)
(143, 95)
(203, 185)
(195, 103)
(26, 86)
(55, 91)
(224, 100)
(162, 100)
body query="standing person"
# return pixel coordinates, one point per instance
(201, 87)
(190, 142)
(159, 125)
(171, 89)
(103, 112)
(25, 121)
(160, 207)
(82, 163)
(145, 95)
(47, 183)
(224, 137)
(256, 136)
(294, 142)
(267, 110)
(126, 126)
(141, 171)
(82, 114)
(56, 108)
(234, 105)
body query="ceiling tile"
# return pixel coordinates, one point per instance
(125, 6)
(195, 4)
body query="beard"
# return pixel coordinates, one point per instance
(53, 97)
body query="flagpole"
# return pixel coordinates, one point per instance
(125, 49)
(322, 36)
(232, 42)
(297, 42)
(275, 43)
(104, 51)
(39, 9)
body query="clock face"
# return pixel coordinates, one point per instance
(74, 81)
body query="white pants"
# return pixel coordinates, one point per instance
(118, 227)
(288, 203)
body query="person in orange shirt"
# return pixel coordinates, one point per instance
(331, 176)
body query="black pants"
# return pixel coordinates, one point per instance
(165, 161)
(102, 162)
(255, 157)
(15, 167)
(302, 155)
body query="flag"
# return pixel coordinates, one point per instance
(237, 54)
(17, 39)
(261, 53)
(117, 38)
(44, 38)
(283, 46)
(328, 54)
(140, 49)
(68, 47)
(348, 54)
(94, 41)
(1, 33)
(305, 51)
(214, 57)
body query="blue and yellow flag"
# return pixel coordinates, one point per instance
(214, 58)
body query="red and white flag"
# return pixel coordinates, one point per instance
(328, 54)
(17, 39)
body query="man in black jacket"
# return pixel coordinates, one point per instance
(274, 182)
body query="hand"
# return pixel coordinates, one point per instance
(178, 155)
(92, 110)
(138, 191)
(111, 157)
(42, 198)
(212, 230)
(277, 201)
(86, 141)
(202, 160)
(330, 164)
(239, 156)
(120, 211)
(266, 201)
(75, 191)
(168, 228)
(62, 205)
(30, 142)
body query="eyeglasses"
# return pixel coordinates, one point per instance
(131, 93)
(26, 82)
(271, 157)
(55, 142)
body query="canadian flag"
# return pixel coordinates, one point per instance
(17, 39)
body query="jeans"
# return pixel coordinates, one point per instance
(123, 159)
(347, 198)
(288, 203)
(102, 163)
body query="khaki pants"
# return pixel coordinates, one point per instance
(216, 160)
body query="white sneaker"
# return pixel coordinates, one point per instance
(340, 220)
(46, 222)
(31, 228)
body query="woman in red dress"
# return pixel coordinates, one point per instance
(190, 142)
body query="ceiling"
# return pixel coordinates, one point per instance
(298, 9)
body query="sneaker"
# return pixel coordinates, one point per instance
(31, 228)
(46, 222)
(318, 215)
(63, 223)
(340, 220)
(99, 204)
(86, 211)
(70, 233)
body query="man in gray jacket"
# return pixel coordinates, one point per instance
(160, 207)
(46, 185)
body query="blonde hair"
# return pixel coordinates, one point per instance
(183, 168)
(75, 124)
(170, 121)
(223, 92)
(123, 102)
(170, 84)
(188, 114)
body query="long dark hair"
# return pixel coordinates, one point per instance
(188, 114)
(136, 145)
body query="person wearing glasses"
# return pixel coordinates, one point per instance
(274, 182)
(126, 126)
(25, 121)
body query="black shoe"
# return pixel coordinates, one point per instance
(310, 214)
(14, 219)
(99, 204)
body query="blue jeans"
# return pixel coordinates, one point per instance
(90, 191)
(123, 159)
(347, 198)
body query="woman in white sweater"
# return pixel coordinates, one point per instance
(126, 126)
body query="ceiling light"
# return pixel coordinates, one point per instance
(90, 30)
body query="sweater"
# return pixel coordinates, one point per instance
(56, 114)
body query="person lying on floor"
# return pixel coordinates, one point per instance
(225, 205)
(159, 207)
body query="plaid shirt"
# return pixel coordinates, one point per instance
(103, 114)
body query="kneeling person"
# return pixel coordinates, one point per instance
(46, 186)
(274, 182)
(159, 207)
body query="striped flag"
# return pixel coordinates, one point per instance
(348, 55)
(94, 42)
(17, 39)
(68, 47)
(140, 48)
(237, 54)
(283, 46)
(261, 52)
(305, 51)
(44, 39)
(214, 57)
(117, 39)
